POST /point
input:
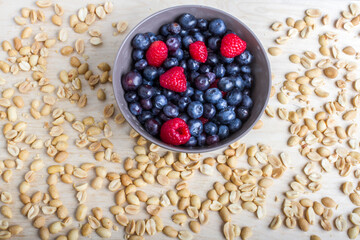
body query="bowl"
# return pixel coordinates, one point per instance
(260, 69)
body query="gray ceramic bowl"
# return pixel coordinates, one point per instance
(261, 70)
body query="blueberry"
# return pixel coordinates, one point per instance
(209, 111)
(187, 40)
(226, 84)
(155, 111)
(217, 26)
(170, 62)
(160, 38)
(150, 73)
(146, 103)
(137, 54)
(201, 139)
(145, 115)
(235, 125)
(232, 69)
(160, 101)
(161, 70)
(183, 102)
(163, 117)
(246, 91)
(151, 36)
(146, 91)
(164, 30)
(193, 31)
(178, 37)
(221, 104)
(247, 102)
(247, 80)
(225, 116)
(147, 82)
(219, 70)
(199, 37)
(234, 97)
(135, 108)
(178, 54)
(184, 117)
(202, 82)
(242, 113)
(207, 34)
(192, 142)
(214, 43)
(140, 41)
(212, 95)
(171, 110)
(188, 92)
(168, 93)
(174, 28)
(186, 54)
(131, 81)
(210, 128)
(157, 91)
(152, 126)
(141, 64)
(245, 69)
(193, 76)
(244, 58)
(183, 64)
(202, 24)
(193, 65)
(211, 76)
(210, 140)
(225, 59)
(195, 127)
(198, 96)
(223, 131)
(172, 43)
(175, 98)
(204, 68)
(212, 59)
(195, 109)
(131, 96)
(239, 82)
(187, 21)
(184, 32)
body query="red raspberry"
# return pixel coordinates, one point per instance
(203, 120)
(232, 46)
(157, 53)
(174, 79)
(198, 51)
(175, 131)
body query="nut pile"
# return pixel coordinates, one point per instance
(323, 126)
(240, 189)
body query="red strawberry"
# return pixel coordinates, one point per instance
(157, 53)
(232, 46)
(174, 79)
(198, 51)
(175, 131)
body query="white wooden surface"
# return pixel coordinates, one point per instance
(258, 15)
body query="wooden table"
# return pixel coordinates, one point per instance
(258, 15)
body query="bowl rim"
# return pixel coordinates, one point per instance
(179, 148)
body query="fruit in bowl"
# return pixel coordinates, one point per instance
(190, 82)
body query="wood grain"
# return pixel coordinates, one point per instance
(258, 15)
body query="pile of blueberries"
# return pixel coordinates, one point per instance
(217, 99)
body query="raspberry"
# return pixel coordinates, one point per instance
(198, 51)
(157, 53)
(232, 46)
(174, 79)
(203, 120)
(175, 131)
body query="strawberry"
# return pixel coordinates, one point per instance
(175, 131)
(156, 53)
(232, 46)
(174, 79)
(198, 51)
